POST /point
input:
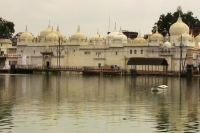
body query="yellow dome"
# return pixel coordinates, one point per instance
(156, 36)
(26, 35)
(139, 39)
(46, 31)
(59, 33)
(185, 36)
(78, 35)
(197, 38)
(51, 36)
(178, 28)
(97, 37)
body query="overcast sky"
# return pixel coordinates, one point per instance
(131, 15)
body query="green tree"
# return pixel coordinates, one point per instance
(6, 29)
(165, 21)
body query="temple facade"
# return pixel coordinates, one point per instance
(51, 48)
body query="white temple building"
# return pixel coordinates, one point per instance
(51, 48)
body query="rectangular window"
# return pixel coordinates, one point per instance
(98, 54)
(33, 51)
(87, 52)
(141, 51)
(11, 50)
(115, 53)
(131, 51)
(12, 62)
(135, 51)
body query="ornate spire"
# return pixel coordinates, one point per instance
(120, 31)
(179, 9)
(97, 31)
(52, 29)
(26, 29)
(139, 35)
(49, 24)
(58, 30)
(78, 29)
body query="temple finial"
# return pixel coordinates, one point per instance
(57, 28)
(26, 29)
(179, 9)
(78, 29)
(139, 34)
(49, 24)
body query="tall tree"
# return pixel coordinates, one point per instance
(6, 29)
(165, 21)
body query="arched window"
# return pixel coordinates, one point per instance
(141, 51)
(135, 51)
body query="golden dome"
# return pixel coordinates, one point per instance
(78, 35)
(178, 28)
(156, 36)
(139, 39)
(46, 31)
(26, 35)
(51, 36)
(97, 37)
(185, 36)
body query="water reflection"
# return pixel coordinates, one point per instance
(77, 103)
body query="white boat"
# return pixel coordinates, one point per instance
(159, 88)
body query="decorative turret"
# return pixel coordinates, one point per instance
(139, 39)
(26, 36)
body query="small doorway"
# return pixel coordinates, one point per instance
(99, 65)
(47, 64)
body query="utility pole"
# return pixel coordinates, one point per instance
(180, 55)
(57, 56)
(59, 52)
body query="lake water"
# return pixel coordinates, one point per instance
(72, 103)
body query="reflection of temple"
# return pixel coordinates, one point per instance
(80, 98)
(113, 50)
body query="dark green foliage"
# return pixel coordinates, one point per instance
(165, 21)
(6, 29)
